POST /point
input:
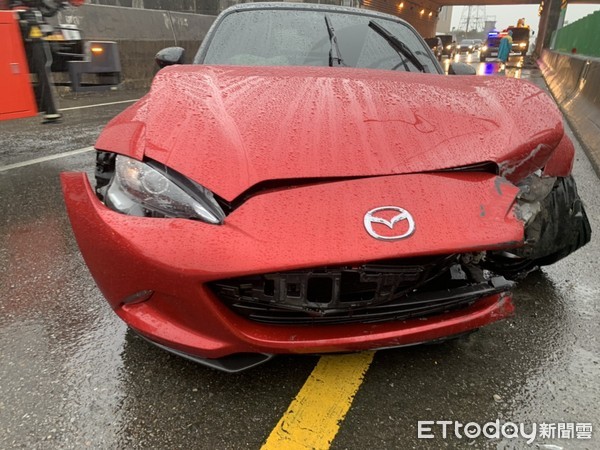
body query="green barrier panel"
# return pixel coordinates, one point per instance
(582, 35)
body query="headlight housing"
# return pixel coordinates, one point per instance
(152, 190)
(484, 48)
(522, 44)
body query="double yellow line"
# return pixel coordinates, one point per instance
(313, 418)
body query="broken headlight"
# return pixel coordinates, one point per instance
(152, 190)
(533, 190)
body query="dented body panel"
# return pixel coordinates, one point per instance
(177, 258)
(331, 231)
(260, 210)
(230, 128)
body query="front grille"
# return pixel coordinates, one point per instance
(390, 290)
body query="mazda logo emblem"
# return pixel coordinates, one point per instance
(382, 215)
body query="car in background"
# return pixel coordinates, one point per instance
(436, 46)
(492, 43)
(448, 44)
(520, 37)
(466, 46)
(314, 183)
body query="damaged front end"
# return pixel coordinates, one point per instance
(555, 225)
(376, 292)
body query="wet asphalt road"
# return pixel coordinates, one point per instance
(73, 376)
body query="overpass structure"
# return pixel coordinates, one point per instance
(422, 14)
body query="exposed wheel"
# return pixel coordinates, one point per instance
(560, 228)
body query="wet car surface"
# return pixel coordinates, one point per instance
(225, 199)
(72, 376)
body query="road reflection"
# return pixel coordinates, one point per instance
(491, 67)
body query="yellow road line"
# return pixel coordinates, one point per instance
(313, 418)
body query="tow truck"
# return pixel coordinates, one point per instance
(520, 37)
(35, 50)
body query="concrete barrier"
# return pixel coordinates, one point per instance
(563, 76)
(583, 110)
(574, 81)
(140, 33)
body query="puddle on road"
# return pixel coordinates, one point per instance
(515, 67)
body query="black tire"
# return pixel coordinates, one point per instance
(558, 230)
(563, 225)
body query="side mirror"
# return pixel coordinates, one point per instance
(169, 56)
(458, 68)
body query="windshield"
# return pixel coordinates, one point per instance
(288, 37)
(466, 42)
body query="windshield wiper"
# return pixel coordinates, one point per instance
(396, 44)
(334, 44)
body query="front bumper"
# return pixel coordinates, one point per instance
(177, 259)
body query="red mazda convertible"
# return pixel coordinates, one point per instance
(314, 183)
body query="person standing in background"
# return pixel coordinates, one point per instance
(504, 50)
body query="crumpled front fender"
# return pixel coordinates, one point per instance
(312, 226)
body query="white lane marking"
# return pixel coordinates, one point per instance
(45, 158)
(100, 104)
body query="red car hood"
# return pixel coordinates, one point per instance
(230, 128)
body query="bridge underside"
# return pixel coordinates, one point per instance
(423, 14)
